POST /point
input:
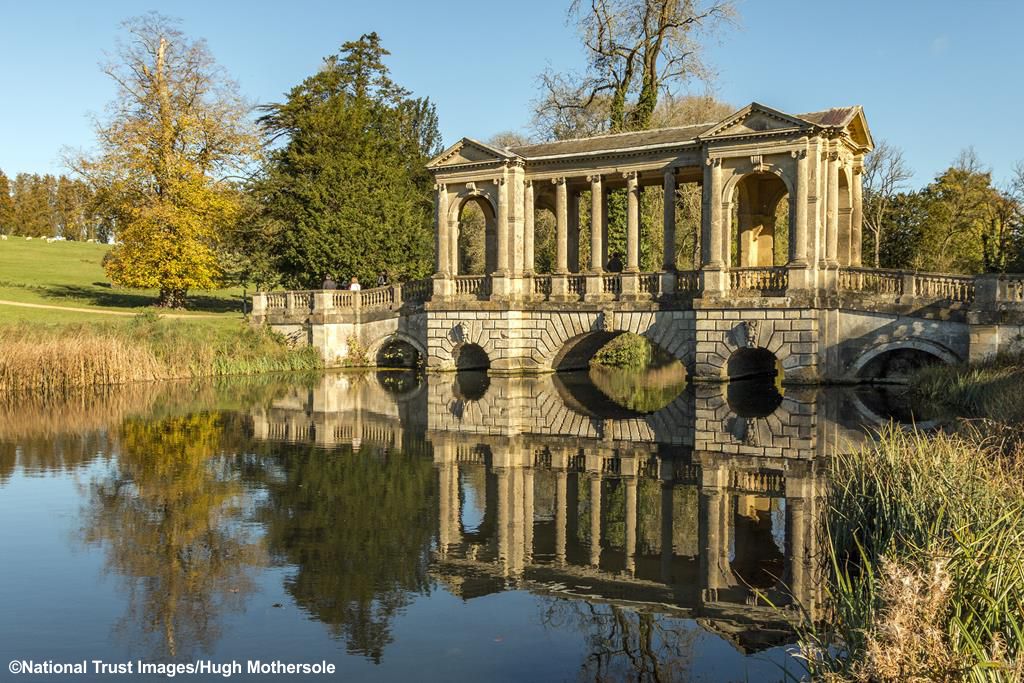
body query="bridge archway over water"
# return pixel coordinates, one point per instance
(752, 362)
(470, 356)
(895, 361)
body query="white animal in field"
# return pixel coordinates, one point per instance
(3, 237)
(28, 239)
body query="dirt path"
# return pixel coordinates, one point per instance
(100, 311)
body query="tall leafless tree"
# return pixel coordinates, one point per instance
(885, 174)
(636, 51)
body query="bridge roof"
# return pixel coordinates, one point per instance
(838, 117)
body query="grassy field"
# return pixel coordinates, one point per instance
(70, 274)
(86, 332)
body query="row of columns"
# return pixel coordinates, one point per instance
(715, 239)
(515, 515)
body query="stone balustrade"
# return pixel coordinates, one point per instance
(879, 285)
(302, 303)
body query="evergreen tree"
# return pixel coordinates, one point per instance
(6, 206)
(348, 190)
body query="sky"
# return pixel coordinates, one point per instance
(934, 76)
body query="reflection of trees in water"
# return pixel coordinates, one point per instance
(358, 528)
(644, 391)
(168, 515)
(624, 644)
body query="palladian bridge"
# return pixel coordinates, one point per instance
(806, 306)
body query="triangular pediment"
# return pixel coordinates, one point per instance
(469, 151)
(859, 132)
(754, 119)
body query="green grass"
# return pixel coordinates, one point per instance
(71, 274)
(989, 389)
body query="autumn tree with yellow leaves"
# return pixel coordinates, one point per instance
(172, 137)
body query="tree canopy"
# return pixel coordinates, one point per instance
(173, 134)
(345, 190)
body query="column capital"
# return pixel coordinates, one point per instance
(440, 187)
(594, 178)
(798, 154)
(558, 181)
(528, 183)
(832, 156)
(499, 180)
(630, 175)
(713, 162)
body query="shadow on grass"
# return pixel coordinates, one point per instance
(102, 294)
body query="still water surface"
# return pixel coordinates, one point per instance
(401, 528)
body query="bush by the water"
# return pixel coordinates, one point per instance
(991, 388)
(627, 350)
(52, 359)
(925, 551)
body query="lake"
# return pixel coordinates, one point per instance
(398, 527)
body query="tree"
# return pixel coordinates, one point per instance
(885, 173)
(6, 206)
(636, 51)
(174, 134)
(33, 210)
(349, 188)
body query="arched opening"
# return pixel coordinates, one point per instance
(747, 363)
(471, 357)
(897, 364)
(543, 234)
(397, 353)
(576, 353)
(845, 217)
(761, 219)
(476, 241)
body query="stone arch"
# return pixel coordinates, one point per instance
(577, 351)
(376, 348)
(899, 355)
(756, 197)
(474, 252)
(470, 356)
(748, 362)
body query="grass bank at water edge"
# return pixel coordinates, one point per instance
(54, 358)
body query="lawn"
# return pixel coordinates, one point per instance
(70, 274)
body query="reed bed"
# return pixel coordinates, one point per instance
(50, 360)
(990, 388)
(924, 546)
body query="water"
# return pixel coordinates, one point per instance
(458, 528)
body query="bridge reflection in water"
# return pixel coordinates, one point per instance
(707, 508)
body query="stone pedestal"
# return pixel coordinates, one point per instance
(502, 287)
(560, 288)
(443, 288)
(630, 286)
(595, 289)
(714, 282)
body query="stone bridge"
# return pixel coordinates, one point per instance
(778, 284)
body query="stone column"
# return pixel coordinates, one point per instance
(444, 502)
(595, 518)
(453, 248)
(561, 226)
(832, 226)
(528, 515)
(713, 277)
(632, 222)
(528, 218)
(502, 229)
(799, 240)
(710, 525)
(857, 215)
(504, 522)
(667, 507)
(669, 248)
(441, 231)
(596, 223)
(631, 525)
(561, 513)
(796, 547)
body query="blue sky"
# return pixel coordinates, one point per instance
(934, 77)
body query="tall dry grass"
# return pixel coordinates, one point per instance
(990, 388)
(51, 360)
(924, 545)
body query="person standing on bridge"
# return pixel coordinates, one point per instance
(382, 279)
(354, 286)
(329, 282)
